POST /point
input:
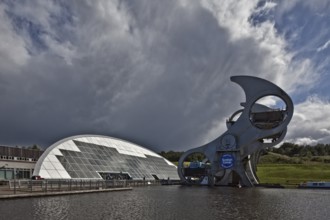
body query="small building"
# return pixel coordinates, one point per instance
(102, 157)
(17, 162)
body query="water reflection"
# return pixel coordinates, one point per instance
(56, 207)
(175, 202)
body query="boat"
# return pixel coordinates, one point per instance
(315, 185)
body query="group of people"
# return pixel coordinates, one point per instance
(116, 176)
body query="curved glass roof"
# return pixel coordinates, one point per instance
(102, 157)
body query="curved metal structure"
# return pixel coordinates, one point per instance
(102, 157)
(232, 157)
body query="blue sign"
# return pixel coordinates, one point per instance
(227, 161)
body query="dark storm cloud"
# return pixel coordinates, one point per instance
(152, 72)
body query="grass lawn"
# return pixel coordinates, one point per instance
(292, 174)
(275, 168)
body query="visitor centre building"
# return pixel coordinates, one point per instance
(102, 157)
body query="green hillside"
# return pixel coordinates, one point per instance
(285, 170)
(275, 158)
(288, 174)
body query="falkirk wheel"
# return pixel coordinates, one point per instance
(232, 158)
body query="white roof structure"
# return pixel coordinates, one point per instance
(97, 157)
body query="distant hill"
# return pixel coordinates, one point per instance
(275, 158)
(294, 150)
(270, 158)
(287, 153)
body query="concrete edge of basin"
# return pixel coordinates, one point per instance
(60, 193)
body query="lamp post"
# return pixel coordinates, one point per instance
(14, 180)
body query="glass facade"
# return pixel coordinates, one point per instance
(100, 157)
(8, 173)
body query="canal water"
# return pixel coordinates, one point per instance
(175, 202)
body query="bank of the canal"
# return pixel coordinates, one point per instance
(41, 188)
(8, 195)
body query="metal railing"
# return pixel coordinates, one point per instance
(74, 185)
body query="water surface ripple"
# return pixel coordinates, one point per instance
(175, 202)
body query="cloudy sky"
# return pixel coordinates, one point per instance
(157, 72)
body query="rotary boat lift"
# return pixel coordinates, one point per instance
(232, 158)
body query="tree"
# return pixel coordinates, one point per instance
(34, 147)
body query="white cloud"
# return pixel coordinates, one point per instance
(310, 123)
(232, 15)
(12, 47)
(304, 141)
(324, 46)
(278, 64)
(285, 6)
(325, 131)
(151, 71)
